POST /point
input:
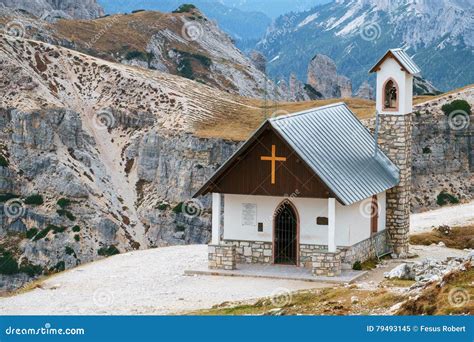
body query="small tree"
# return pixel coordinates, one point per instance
(456, 105)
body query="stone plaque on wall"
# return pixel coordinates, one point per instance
(249, 214)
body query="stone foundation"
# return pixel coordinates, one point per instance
(252, 252)
(222, 257)
(307, 252)
(395, 140)
(376, 245)
(326, 264)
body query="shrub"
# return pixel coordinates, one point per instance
(67, 213)
(7, 196)
(56, 229)
(461, 105)
(426, 150)
(76, 229)
(30, 233)
(184, 8)
(3, 161)
(108, 251)
(135, 54)
(77, 237)
(179, 208)
(8, 265)
(30, 269)
(34, 199)
(69, 251)
(180, 228)
(42, 233)
(162, 206)
(357, 266)
(63, 202)
(445, 198)
(59, 267)
(185, 69)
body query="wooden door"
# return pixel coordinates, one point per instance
(374, 216)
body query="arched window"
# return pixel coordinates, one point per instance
(390, 94)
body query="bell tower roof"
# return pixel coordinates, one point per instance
(402, 58)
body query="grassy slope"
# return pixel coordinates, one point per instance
(457, 237)
(433, 300)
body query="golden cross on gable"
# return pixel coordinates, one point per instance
(273, 158)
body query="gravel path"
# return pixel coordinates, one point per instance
(141, 282)
(462, 214)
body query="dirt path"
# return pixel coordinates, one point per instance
(142, 282)
(462, 214)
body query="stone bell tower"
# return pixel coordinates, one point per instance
(394, 104)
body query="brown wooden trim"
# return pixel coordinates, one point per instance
(389, 53)
(396, 109)
(287, 201)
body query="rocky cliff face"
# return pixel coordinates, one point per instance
(322, 76)
(55, 9)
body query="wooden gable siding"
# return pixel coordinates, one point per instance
(249, 175)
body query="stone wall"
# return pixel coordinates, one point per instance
(222, 257)
(377, 245)
(326, 264)
(395, 136)
(251, 252)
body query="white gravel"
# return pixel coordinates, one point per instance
(462, 214)
(142, 282)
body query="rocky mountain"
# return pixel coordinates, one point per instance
(438, 34)
(55, 9)
(245, 27)
(323, 77)
(365, 91)
(185, 44)
(98, 157)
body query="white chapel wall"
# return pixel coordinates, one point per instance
(351, 225)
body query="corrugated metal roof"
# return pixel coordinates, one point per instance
(340, 150)
(406, 60)
(403, 59)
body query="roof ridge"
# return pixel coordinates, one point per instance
(307, 111)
